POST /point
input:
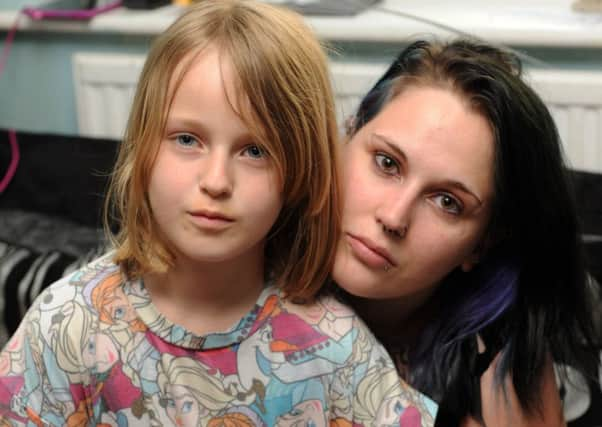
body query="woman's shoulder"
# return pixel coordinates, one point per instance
(497, 399)
(501, 406)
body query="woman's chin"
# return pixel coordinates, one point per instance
(360, 285)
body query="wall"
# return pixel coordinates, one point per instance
(37, 90)
(37, 85)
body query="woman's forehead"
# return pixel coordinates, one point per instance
(436, 133)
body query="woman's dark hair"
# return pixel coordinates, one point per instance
(528, 296)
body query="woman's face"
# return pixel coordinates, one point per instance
(418, 186)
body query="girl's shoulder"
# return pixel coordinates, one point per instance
(324, 328)
(80, 286)
(326, 314)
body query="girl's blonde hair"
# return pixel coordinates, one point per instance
(282, 79)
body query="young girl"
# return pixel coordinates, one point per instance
(225, 192)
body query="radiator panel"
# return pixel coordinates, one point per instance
(105, 84)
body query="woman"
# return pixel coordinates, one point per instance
(460, 243)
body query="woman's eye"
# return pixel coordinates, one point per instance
(386, 164)
(448, 203)
(254, 152)
(186, 140)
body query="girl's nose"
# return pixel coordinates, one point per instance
(216, 180)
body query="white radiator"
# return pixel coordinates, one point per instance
(575, 100)
(104, 88)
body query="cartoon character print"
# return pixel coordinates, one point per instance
(119, 328)
(79, 340)
(296, 350)
(344, 379)
(264, 357)
(27, 393)
(309, 413)
(414, 409)
(11, 358)
(12, 393)
(113, 307)
(399, 406)
(88, 357)
(237, 416)
(189, 393)
(317, 340)
(327, 315)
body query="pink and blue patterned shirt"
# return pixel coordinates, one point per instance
(94, 350)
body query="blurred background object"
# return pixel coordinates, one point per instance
(326, 7)
(144, 4)
(588, 6)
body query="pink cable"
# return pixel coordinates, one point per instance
(8, 43)
(14, 161)
(12, 136)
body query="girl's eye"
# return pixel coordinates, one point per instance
(187, 407)
(254, 152)
(386, 164)
(449, 203)
(186, 140)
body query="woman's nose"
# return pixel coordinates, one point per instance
(395, 212)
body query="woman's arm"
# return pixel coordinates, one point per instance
(503, 409)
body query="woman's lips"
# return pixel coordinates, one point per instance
(368, 253)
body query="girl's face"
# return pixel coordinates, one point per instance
(213, 190)
(418, 186)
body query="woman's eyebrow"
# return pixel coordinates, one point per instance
(460, 186)
(393, 146)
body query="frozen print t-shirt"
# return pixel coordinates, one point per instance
(94, 350)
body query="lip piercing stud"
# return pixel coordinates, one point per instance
(387, 267)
